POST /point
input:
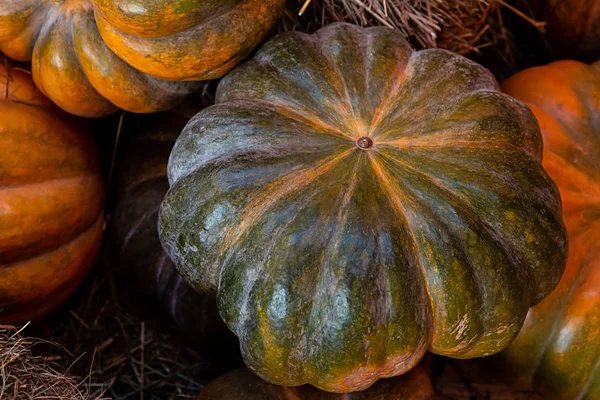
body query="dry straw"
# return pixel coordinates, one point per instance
(463, 26)
(25, 376)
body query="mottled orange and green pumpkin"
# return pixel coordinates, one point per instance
(51, 202)
(91, 56)
(558, 349)
(243, 384)
(354, 203)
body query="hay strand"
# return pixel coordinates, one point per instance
(462, 26)
(24, 376)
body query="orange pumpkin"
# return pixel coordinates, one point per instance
(558, 349)
(91, 56)
(51, 202)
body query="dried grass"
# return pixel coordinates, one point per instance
(24, 376)
(462, 26)
(125, 348)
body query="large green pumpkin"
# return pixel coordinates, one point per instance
(354, 203)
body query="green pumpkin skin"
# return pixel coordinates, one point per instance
(337, 265)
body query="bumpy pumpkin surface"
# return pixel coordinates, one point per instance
(243, 384)
(573, 26)
(90, 62)
(141, 183)
(559, 345)
(185, 39)
(354, 203)
(51, 202)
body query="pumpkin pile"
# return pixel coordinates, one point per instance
(343, 205)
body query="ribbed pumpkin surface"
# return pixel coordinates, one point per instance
(355, 203)
(91, 57)
(243, 384)
(185, 39)
(559, 345)
(51, 202)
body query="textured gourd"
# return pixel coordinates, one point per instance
(354, 203)
(243, 384)
(573, 27)
(90, 62)
(51, 202)
(185, 39)
(559, 346)
(140, 185)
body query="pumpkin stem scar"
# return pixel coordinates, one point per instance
(364, 143)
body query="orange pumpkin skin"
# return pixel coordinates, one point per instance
(71, 64)
(243, 384)
(185, 39)
(558, 349)
(51, 203)
(573, 27)
(92, 56)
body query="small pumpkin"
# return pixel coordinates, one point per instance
(140, 185)
(559, 346)
(243, 384)
(573, 27)
(51, 202)
(353, 203)
(91, 57)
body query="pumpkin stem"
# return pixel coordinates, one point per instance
(364, 142)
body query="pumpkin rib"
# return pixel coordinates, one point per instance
(490, 235)
(320, 279)
(291, 114)
(182, 56)
(44, 294)
(55, 67)
(342, 79)
(469, 264)
(191, 154)
(49, 201)
(396, 202)
(288, 109)
(156, 23)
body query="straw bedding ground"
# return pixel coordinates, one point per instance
(24, 376)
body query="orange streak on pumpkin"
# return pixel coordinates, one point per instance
(275, 191)
(443, 140)
(37, 213)
(386, 105)
(394, 195)
(309, 120)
